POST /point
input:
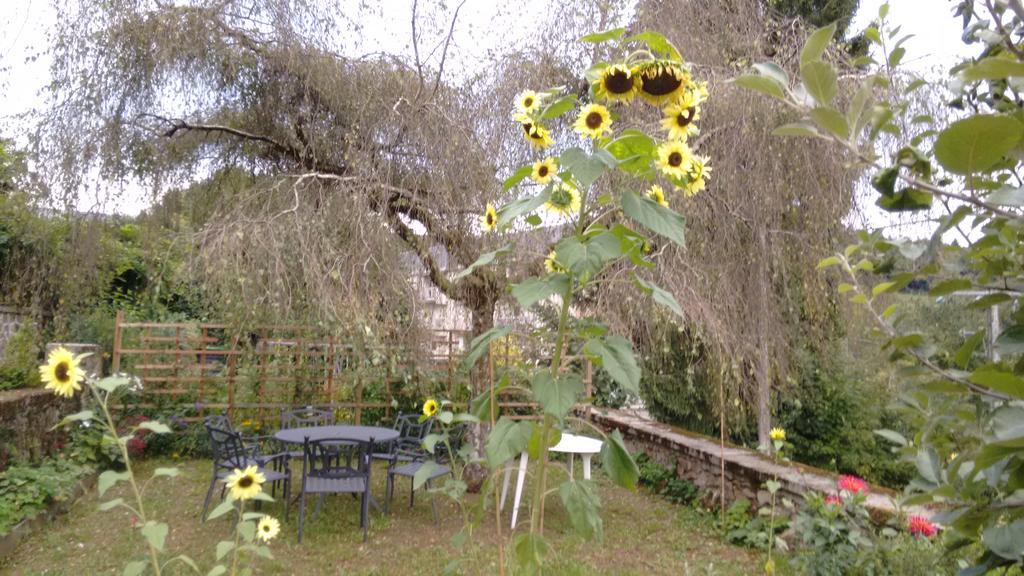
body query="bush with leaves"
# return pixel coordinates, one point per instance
(965, 167)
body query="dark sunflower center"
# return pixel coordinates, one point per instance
(542, 171)
(661, 83)
(594, 120)
(62, 372)
(675, 159)
(528, 103)
(266, 528)
(618, 82)
(686, 116)
(245, 482)
(490, 220)
(528, 127)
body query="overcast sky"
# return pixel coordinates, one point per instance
(24, 66)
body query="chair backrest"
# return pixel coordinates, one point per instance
(228, 449)
(305, 417)
(321, 458)
(411, 434)
(218, 421)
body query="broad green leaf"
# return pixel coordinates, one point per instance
(660, 295)
(657, 43)
(509, 212)
(77, 417)
(108, 478)
(528, 552)
(613, 34)
(111, 383)
(950, 286)
(654, 216)
(618, 462)
(583, 506)
(977, 143)
(820, 80)
(223, 547)
(155, 533)
(966, 351)
(221, 509)
(1008, 423)
(816, 44)
(906, 200)
(993, 68)
(990, 300)
(484, 259)
(797, 129)
(217, 570)
(556, 396)
(558, 107)
(534, 446)
(134, 568)
(999, 380)
(1007, 196)
(155, 427)
(480, 344)
(586, 169)
(247, 530)
(634, 151)
(430, 441)
(772, 70)
(893, 436)
(111, 504)
(167, 471)
(763, 84)
(507, 440)
(587, 258)
(927, 462)
(1006, 540)
(831, 120)
(518, 176)
(533, 290)
(427, 470)
(1011, 341)
(829, 262)
(881, 288)
(896, 56)
(615, 355)
(481, 405)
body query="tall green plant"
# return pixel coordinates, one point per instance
(965, 163)
(608, 199)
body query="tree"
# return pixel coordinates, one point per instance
(968, 447)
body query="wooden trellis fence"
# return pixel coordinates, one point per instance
(259, 370)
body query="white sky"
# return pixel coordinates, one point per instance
(483, 24)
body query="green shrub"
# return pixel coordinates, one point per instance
(19, 366)
(26, 490)
(664, 482)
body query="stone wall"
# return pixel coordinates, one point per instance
(11, 319)
(26, 418)
(699, 459)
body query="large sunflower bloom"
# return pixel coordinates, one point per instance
(680, 117)
(662, 81)
(544, 170)
(594, 121)
(527, 102)
(267, 528)
(430, 407)
(617, 83)
(245, 484)
(61, 372)
(489, 221)
(538, 136)
(564, 200)
(657, 193)
(674, 159)
(697, 176)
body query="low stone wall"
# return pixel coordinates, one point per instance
(699, 459)
(26, 418)
(11, 318)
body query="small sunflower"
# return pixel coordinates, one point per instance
(662, 81)
(697, 176)
(617, 84)
(564, 200)
(61, 372)
(674, 159)
(245, 484)
(551, 263)
(544, 170)
(777, 434)
(680, 117)
(657, 193)
(489, 221)
(594, 121)
(538, 136)
(430, 407)
(268, 528)
(528, 102)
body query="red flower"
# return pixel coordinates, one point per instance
(136, 446)
(852, 484)
(833, 500)
(921, 526)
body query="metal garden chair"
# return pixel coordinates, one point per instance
(303, 418)
(408, 456)
(230, 452)
(323, 474)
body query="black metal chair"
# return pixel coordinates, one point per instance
(407, 457)
(323, 474)
(304, 418)
(230, 453)
(411, 433)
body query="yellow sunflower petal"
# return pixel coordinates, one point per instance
(657, 193)
(62, 373)
(594, 121)
(268, 528)
(564, 200)
(544, 170)
(674, 158)
(617, 83)
(489, 221)
(245, 484)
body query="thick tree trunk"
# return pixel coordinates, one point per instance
(483, 320)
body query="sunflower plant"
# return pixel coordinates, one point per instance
(604, 230)
(62, 373)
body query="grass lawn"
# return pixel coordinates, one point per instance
(642, 535)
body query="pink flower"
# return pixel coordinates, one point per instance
(852, 484)
(833, 500)
(921, 526)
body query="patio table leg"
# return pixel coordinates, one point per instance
(572, 465)
(586, 466)
(519, 488)
(504, 485)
